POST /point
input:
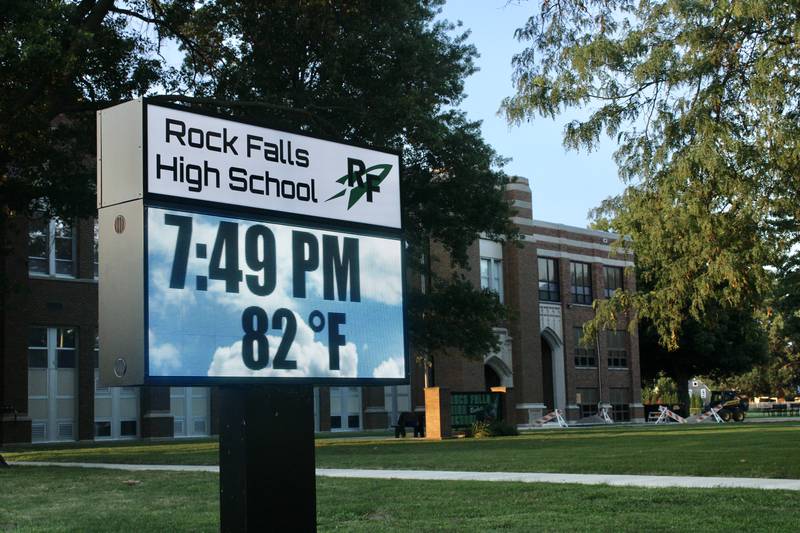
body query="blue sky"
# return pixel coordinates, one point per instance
(566, 185)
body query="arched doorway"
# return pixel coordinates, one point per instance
(547, 376)
(491, 378)
(496, 373)
(553, 371)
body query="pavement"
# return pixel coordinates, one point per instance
(520, 477)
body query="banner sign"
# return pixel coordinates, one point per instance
(206, 158)
(466, 408)
(232, 252)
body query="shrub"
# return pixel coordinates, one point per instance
(696, 402)
(497, 428)
(480, 430)
(663, 390)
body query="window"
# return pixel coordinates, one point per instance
(102, 429)
(95, 251)
(98, 390)
(617, 351)
(396, 399)
(51, 248)
(620, 404)
(492, 275)
(613, 277)
(581, 283)
(345, 408)
(587, 401)
(127, 428)
(190, 409)
(38, 247)
(37, 348)
(65, 347)
(548, 280)
(584, 355)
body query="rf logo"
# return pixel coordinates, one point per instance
(361, 181)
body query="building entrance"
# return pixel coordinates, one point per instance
(189, 407)
(491, 378)
(52, 361)
(548, 397)
(345, 408)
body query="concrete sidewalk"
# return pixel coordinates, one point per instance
(520, 477)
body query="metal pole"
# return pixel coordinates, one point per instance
(266, 459)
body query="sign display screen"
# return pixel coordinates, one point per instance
(241, 298)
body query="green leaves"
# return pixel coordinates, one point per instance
(704, 100)
(382, 73)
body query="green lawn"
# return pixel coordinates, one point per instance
(69, 499)
(749, 450)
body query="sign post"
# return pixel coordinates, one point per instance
(262, 261)
(266, 459)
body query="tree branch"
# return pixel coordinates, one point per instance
(134, 14)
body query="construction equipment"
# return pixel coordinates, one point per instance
(734, 407)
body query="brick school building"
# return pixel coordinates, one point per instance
(49, 388)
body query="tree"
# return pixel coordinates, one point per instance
(779, 374)
(383, 73)
(59, 63)
(727, 342)
(703, 99)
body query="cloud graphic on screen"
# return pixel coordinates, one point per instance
(390, 368)
(380, 270)
(380, 262)
(161, 243)
(164, 357)
(311, 356)
(381, 273)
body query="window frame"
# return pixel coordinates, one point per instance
(582, 297)
(587, 406)
(51, 258)
(621, 411)
(617, 356)
(494, 277)
(551, 280)
(585, 357)
(608, 290)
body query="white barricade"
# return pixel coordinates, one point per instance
(666, 413)
(549, 417)
(712, 412)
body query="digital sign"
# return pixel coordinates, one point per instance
(241, 298)
(232, 252)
